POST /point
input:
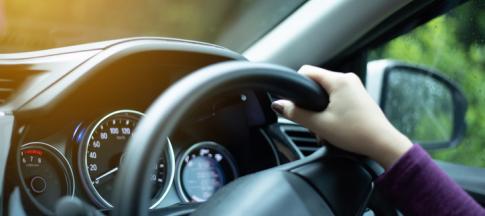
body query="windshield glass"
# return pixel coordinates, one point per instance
(27, 25)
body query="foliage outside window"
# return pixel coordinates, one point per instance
(455, 45)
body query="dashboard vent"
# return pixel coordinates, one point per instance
(11, 79)
(304, 140)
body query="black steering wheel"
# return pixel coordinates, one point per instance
(329, 182)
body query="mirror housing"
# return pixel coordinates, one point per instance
(422, 103)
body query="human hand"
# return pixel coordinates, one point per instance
(352, 121)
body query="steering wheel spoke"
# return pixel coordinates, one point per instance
(325, 183)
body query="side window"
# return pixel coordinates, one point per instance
(454, 44)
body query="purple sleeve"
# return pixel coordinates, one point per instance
(417, 186)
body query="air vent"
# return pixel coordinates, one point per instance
(304, 140)
(11, 79)
(5, 90)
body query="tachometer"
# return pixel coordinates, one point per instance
(102, 151)
(203, 169)
(46, 175)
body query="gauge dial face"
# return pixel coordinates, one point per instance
(103, 150)
(46, 174)
(203, 169)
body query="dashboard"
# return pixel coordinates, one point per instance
(77, 107)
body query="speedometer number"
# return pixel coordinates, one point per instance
(93, 167)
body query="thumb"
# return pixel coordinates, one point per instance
(290, 111)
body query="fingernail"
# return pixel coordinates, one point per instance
(277, 108)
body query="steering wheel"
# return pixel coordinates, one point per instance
(329, 182)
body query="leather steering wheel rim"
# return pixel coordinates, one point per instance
(168, 109)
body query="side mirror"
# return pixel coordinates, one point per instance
(423, 104)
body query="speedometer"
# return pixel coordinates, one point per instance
(102, 151)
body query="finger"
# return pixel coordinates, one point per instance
(290, 111)
(325, 78)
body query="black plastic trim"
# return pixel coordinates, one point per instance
(405, 20)
(61, 88)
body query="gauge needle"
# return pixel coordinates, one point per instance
(106, 174)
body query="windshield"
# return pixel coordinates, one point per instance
(27, 25)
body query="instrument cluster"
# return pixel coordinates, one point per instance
(195, 173)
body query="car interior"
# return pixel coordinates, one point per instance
(168, 111)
